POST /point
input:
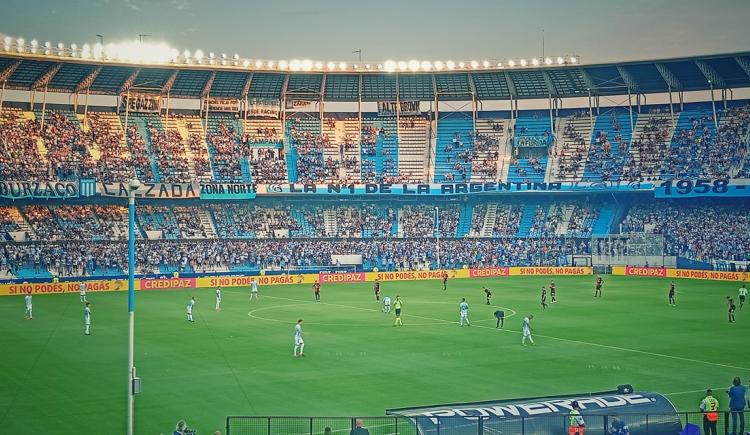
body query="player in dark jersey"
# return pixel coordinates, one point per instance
(599, 282)
(500, 316)
(552, 291)
(732, 308)
(671, 295)
(376, 287)
(487, 294)
(445, 281)
(544, 298)
(316, 289)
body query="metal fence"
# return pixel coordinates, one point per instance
(596, 424)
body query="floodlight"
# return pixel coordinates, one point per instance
(486, 64)
(461, 65)
(402, 65)
(535, 62)
(547, 61)
(259, 63)
(426, 65)
(283, 64)
(270, 64)
(246, 63)
(307, 64)
(560, 61)
(499, 64)
(390, 65)
(211, 55)
(511, 63)
(236, 56)
(367, 66)
(450, 64)
(474, 64)
(573, 59)
(342, 65)
(199, 54)
(523, 62)
(318, 65)
(20, 45)
(331, 66)
(439, 65)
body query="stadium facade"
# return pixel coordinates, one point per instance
(278, 170)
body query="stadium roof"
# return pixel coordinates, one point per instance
(58, 74)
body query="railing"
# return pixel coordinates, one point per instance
(595, 424)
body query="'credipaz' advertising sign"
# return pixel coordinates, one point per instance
(547, 416)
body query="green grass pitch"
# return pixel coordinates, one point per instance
(55, 380)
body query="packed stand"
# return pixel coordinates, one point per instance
(19, 154)
(700, 230)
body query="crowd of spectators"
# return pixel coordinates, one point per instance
(226, 153)
(699, 230)
(575, 148)
(702, 151)
(82, 258)
(189, 223)
(67, 147)
(158, 218)
(19, 154)
(507, 220)
(366, 221)
(45, 226)
(419, 221)
(201, 161)
(647, 152)
(170, 155)
(602, 162)
(312, 165)
(141, 158)
(546, 220)
(115, 163)
(581, 223)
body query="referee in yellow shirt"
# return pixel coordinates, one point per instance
(397, 306)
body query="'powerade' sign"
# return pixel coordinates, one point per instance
(542, 416)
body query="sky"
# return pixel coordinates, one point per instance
(597, 31)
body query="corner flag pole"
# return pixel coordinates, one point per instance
(133, 186)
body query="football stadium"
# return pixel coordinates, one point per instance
(526, 220)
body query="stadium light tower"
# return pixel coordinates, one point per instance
(133, 186)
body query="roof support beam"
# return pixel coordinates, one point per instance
(668, 76)
(246, 87)
(9, 70)
(88, 80)
(591, 88)
(472, 86)
(207, 87)
(711, 75)
(169, 83)
(129, 81)
(550, 85)
(511, 86)
(628, 80)
(45, 78)
(744, 64)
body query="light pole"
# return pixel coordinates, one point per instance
(133, 186)
(437, 234)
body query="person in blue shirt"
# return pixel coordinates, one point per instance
(618, 427)
(737, 405)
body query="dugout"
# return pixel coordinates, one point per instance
(644, 413)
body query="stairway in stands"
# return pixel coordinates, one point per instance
(527, 220)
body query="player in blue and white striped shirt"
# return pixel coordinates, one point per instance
(27, 301)
(87, 319)
(299, 343)
(463, 310)
(527, 330)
